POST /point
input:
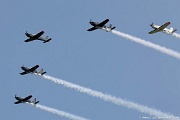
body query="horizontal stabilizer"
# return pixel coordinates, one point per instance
(34, 101)
(174, 30)
(47, 40)
(43, 73)
(113, 28)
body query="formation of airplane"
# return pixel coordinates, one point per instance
(95, 25)
(25, 100)
(162, 28)
(37, 37)
(32, 70)
(101, 25)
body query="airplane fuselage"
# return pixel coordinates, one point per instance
(165, 30)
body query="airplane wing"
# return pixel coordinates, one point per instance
(38, 35)
(18, 102)
(160, 28)
(28, 40)
(91, 29)
(33, 68)
(23, 73)
(154, 31)
(103, 23)
(27, 98)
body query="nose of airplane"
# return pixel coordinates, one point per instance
(42, 31)
(169, 23)
(91, 23)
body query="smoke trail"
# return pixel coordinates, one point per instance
(176, 35)
(58, 112)
(149, 44)
(112, 99)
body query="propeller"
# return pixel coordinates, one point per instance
(91, 20)
(152, 24)
(26, 32)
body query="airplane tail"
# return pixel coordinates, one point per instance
(42, 72)
(113, 28)
(110, 26)
(172, 30)
(34, 101)
(47, 40)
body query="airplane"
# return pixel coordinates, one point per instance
(162, 28)
(37, 37)
(25, 100)
(32, 70)
(101, 25)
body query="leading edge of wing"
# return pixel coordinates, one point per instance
(154, 31)
(33, 68)
(28, 40)
(164, 26)
(23, 73)
(38, 35)
(103, 23)
(27, 98)
(91, 29)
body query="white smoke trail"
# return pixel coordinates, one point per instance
(149, 44)
(58, 112)
(112, 99)
(176, 35)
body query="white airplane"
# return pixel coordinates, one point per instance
(162, 28)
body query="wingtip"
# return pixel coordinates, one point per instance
(37, 65)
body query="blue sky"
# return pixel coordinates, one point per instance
(98, 60)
